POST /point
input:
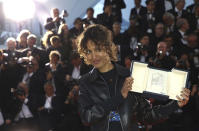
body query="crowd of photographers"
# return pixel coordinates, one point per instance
(39, 86)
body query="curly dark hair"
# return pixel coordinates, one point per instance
(101, 37)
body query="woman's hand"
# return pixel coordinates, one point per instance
(184, 97)
(127, 86)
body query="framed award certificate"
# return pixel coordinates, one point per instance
(156, 82)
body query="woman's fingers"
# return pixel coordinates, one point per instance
(183, 100)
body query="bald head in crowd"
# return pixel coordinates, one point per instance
(162, 48)
(11, 43)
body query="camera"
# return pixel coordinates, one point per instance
(29, 64)
(19, 92)
(140, 48)
(64, 13)
(7, 60)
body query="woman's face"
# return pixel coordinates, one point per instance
(23, 40)
(54, 59)
(97, 57)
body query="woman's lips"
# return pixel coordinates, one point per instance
(96, 62)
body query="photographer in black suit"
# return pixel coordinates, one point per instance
(11, 51)
(19, 113)
(53, 22)
(180, 35)
(116, 5)
(10, 69)
(55, 72)
(162, 59)
(90, 19)
(179, 11)
(138, 10)
(49, 108)
(106, 18)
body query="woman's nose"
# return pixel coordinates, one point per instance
(93, 55)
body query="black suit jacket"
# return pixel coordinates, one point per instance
(178, 45)
(59, 78)
(11, 75)
(166, 63)
(143, 11)
(105, 20)
(14, 53)
(75, 32)
(14, 106)
(117, 5)
(146, 23)
(57, 104)
(50, 25)
(37, 52)
(34, 51)
(90, 21)
(36, 83)
(184, 14)
(193, 22)
(84, 68)
(160, 8)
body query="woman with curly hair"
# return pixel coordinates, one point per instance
(105, 99)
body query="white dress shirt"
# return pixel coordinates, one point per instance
(76, 72)
(183, 40)
(48, 103)
(26, 77)
(138, 10)
(168, 5)
(179, 12)
(1, 118)
(25, 111)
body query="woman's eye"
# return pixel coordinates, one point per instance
(88, 52)
(98, 49)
